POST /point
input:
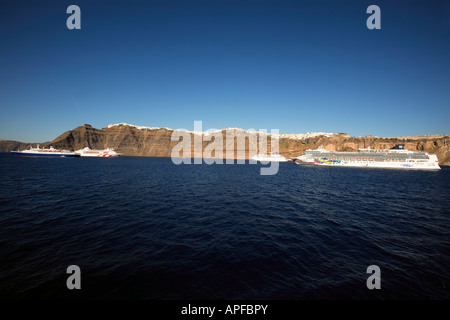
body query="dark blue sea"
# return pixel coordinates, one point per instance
(145, 228)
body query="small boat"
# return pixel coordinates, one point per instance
(50, 152)
(106, 153)
(272, 157)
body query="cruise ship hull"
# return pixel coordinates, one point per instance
(45, 154)
(404, 166)
(98, 155)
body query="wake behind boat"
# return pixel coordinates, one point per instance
(50, 152)
(106, 153)
(396, 157)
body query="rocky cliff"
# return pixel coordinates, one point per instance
(156, 142)
(10, 145)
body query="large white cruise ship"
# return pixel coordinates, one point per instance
(45, 152)
(106, 153)
(396, 157)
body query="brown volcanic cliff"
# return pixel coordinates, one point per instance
(156, 142)
(10, 145)
(127, 140)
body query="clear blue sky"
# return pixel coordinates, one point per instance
(297, 66)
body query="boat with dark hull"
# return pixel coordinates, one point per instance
(50, 152)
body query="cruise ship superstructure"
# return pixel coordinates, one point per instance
(396, 157)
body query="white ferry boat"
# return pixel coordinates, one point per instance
(396, 157)
(106, 153)
(50, 152)
(272, 157)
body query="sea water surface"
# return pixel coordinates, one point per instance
(145, 228)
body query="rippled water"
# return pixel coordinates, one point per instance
(148, 229)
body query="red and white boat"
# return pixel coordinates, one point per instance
(106, 153)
